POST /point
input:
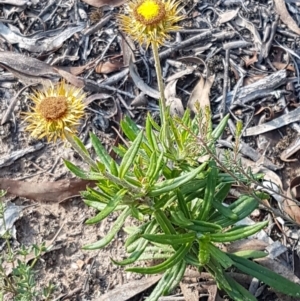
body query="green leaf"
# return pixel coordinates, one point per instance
(182, 204)
(224, 210)
(236, 291)
(220, 256)
(153, 123)
(173, 260)
(130, 155)
(136, 234)
(110, 207)
(111, 234)
(176, 134)
(167, 281)
(251, 254)
(136, 213)
(156, 172)
(114, 168)
(169, 239)
(178, 218)
(96, 205)
(238, 233)
(80, 145)
(164, 223)
(129, 128)
(171, 184)
(242, 207)
(223, 191)
(78, 172)
(272, 279)
(218, 131)
(151, 228)
(209, 191)
(150, 135)
(218, 273)
(101, 152)
(152, 165)
(204, 227)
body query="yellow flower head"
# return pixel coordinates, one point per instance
(148, 21)
(57, 109)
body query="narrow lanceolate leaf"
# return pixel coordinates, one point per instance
(217, 132)
(101, 152)
(174, 259)
(156, 172)
(76, 170)
(227, 212)
(206, 226)
(182, 205)
(129, 128)
(209, 191)
(150, 135)
(237, 292)
(220, 256)
(152, 164)
(167, 239)
(176, 134)
(130, 155)
(178, 218)
(111, 234)
(110, 207)
(140, 248)
(237, 233)
(164, 222)
(81, 145)
(171, 184)
(267, 276)
(167, 281)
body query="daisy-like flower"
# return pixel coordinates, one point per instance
(57, 110)
(148, 21)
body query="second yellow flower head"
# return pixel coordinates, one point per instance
(148, 21)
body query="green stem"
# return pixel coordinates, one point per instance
(165, 133)
(159, 78)
(84, 156)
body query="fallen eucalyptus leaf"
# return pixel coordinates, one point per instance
(140, 83)
(285, 16)
(199, 98)
(129, 290)
(175, 104)
(41, 42)
(100, 3)
(47, 191)
(27, 69)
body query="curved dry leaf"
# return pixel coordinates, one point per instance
(27, 69)
(100, 3)
(15, 2)
(199, 98)
(227, 16)
(40, 42)
(74, 80)
(246, 244)
(252, 28)
(285, 16)
(140, 83)
(129, 290)
(290, 207)
(109, 66)
(47, 191)
(139, 100)
(175, 104)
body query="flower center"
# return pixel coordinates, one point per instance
(150, 12)
(53, 108)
